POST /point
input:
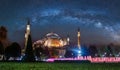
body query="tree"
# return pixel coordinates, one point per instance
(1, 49)
(93, 50)
(14, 50)
(7, 52)
(29, 55)
(3, 32)
(3, 36)
(109, 50)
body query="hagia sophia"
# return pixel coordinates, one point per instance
(52, 41)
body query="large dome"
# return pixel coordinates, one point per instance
(52, 35)
(51, 40)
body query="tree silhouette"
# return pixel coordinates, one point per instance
(14, 50)
(29, 55)
(93, 50)
(1, 49)
(3, 36)
(8, 52)
(109, 50)
(3, 32)
(17, 49)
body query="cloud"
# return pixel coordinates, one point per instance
(50, 12)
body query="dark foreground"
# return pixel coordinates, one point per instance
(58, 66)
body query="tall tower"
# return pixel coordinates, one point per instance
(68, 40)
(27, 32)
(78, 36)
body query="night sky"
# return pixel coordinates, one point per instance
(99, 20)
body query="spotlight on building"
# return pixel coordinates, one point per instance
(79, 52)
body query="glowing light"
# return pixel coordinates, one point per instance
(79, 52)
(78, 34)
(28, 27)
(93, 60)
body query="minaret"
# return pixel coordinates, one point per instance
(78, 35)
(27, 32)
(68, 40)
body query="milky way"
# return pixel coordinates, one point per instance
(99, 20)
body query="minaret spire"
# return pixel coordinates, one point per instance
(27, 33)
(78, 35)
(68, 40)
(28, 27)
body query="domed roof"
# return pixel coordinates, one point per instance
(52, 40)
(52, 35)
